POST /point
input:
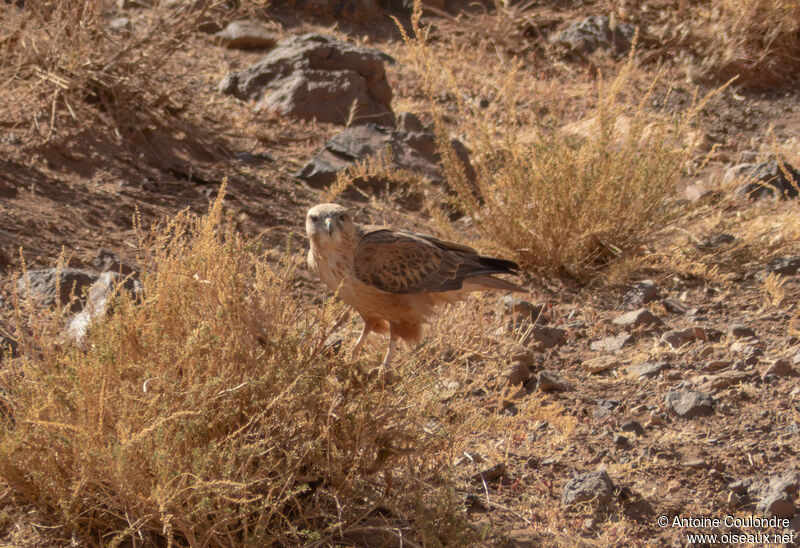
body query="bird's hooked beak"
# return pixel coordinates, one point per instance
(329, 226)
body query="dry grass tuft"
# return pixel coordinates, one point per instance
(560, 202)
(211, 414)
(758, 40)
(65, 71)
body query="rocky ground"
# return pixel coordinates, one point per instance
(669, 390)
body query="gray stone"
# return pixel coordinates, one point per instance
(517, 373)
(641, 293)
(648, 370)
(8, 345)
(780, 368)
(107, 261)
(637, 318)
(726, 380)
(590, 487)
(119, 24)
(97, 302)
(738, 331)
(245, 35)
(717, 241)
(592, 33)
(543, 337)
(521, 308)
(50, 284)
(413, 152)
(675, 306)
(632, 426)
(316, 77)
(679, 338)
(410, 123)
(689, 404)
(778, 504)
(612, 344)
(740, 487)
(785, 266)
(550, 382)
(768, 179)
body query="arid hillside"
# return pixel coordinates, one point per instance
(173, 374)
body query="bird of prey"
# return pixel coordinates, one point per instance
(395, 278)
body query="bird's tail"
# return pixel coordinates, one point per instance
(482, 283)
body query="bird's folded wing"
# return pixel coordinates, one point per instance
(404, 262)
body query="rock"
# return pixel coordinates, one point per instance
(777, 504)
(675, 306)
(780, 368)
(8, 345)
(316, 77)
(600, 364)
(474, 503)
(521, 308)
(738, 331)
(592, 33)
(640, 294)
(632, 426)
(413, 152)
(543, 337)
(741, 486)
(245, 34)
(410, 123)
(637, 318)
(726, 380)
(127, 4)
(108, 261)
(620, 440)
(768, 179)
(119, 23)
(493, 473)
(785, 266)
(679, 338)
(612, 344)
(550, 382)
(594, 487)
(333, 345)
(717, 241)
(718, 365)
(648, 370)
(47, 285)
(689, 404)
(97, 302)
(517, 373)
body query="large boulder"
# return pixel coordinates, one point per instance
(413, 151)
(316, 77)
(97, 301)
(765, 180)
(592, 33)
(52, 285)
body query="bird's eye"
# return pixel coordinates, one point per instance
(343, 217)
(314, 218)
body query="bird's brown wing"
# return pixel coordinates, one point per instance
(405, 262)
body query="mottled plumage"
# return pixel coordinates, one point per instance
(395, 278)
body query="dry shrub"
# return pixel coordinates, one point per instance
(212, 414)
(64, 68)
(759, 40)
(558, 202)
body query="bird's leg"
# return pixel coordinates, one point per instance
(368, 325)
(390, 351)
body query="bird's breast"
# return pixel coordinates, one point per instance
(332, 269)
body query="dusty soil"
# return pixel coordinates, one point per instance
(79, 192)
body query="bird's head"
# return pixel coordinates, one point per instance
(329, 224)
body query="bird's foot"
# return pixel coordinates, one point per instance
(382, 374)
